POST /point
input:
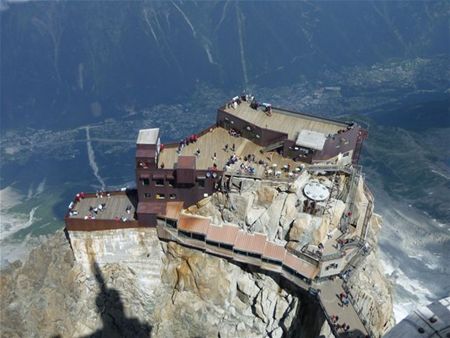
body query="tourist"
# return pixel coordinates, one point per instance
(233, 147)
(226, 147)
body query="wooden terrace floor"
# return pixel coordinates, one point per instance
(214, 142)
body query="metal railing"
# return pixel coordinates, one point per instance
(358, 310)
(310, 258)
(333, 168)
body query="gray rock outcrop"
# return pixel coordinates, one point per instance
(142, 286)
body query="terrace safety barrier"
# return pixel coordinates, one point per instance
(169, 233)
(270, 263)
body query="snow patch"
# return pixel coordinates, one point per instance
(11, 223)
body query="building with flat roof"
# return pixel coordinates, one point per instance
(431, 321)
(248, 138)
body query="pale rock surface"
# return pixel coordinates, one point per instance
(145, 286)
(369, 286)
(177, 292)
(361, 203)
(289, 212)
(269, 221)
(265, 196)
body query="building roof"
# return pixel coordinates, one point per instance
(173, 209)
(427, 321)
(254, 243)
(311, 139)
(299, 265)
(284, 121)
(112, 207)
(186, 162)
(274, 251)
(316, 191)
(194, 224)
(223, 234)
(148, 136)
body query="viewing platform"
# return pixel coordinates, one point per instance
(102, 211)
(310, 157)
(284, 121)
(234, 244)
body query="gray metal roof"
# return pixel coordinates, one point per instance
(432, 321)
(311, 139)
(148, 136)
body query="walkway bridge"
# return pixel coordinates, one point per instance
(236, 245)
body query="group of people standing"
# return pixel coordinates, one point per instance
(186, 141)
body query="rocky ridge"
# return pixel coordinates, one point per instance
(145, 288)
(128, 283)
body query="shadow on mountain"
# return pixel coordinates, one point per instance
(111, 309)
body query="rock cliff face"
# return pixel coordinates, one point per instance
(273, 208)
(370, 288)
(127, 283)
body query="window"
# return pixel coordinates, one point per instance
(271, 261)
(145, 181)
(198, 237)
(171, 183)
(212, 243)
(143, 164)
(243, 253)
(147, 195)
(172, 196)
(159, 182)
(255, 255)
(201, 182)
(171, 222)
(160, 196)
(184, 233)
(226, 246)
